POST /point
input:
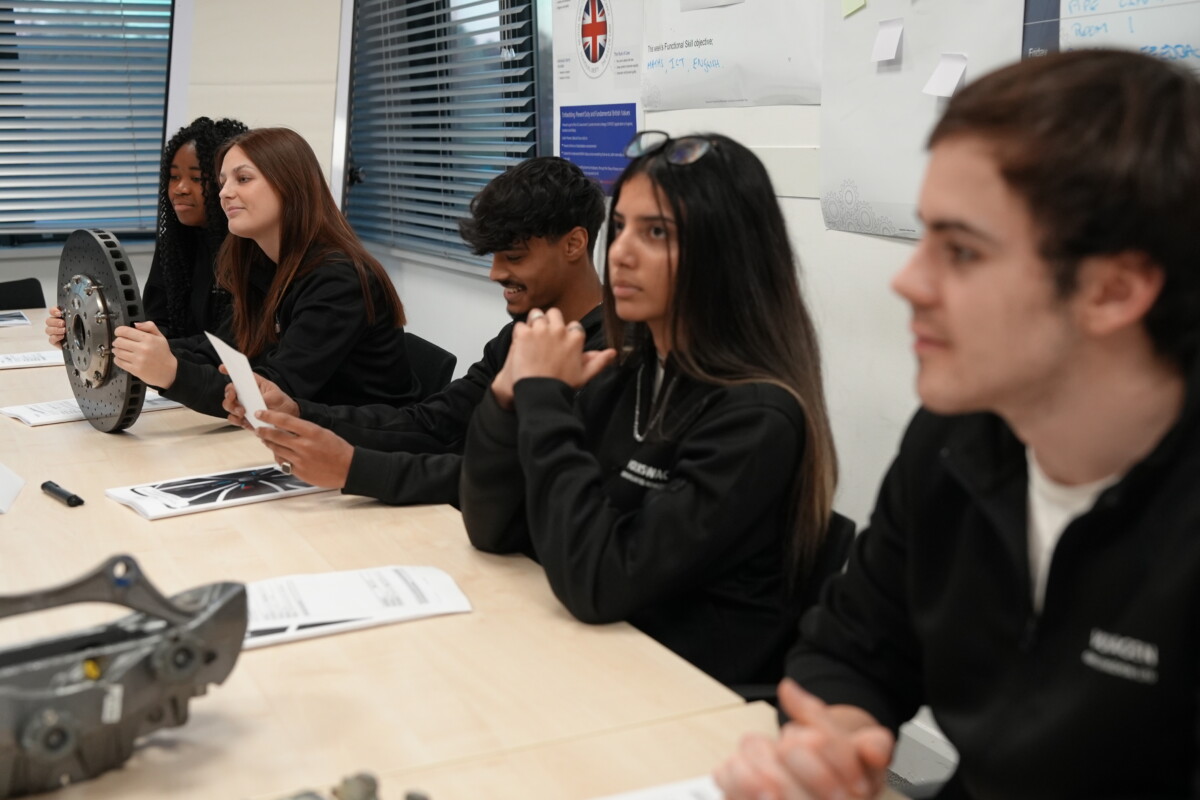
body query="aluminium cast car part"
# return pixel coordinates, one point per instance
(98, 292)
(72, 706)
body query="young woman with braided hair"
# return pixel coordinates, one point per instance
(181, 295)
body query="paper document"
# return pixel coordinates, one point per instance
(10, 319)
(695, 789)
(887, 40)
(55, 411)
(10, 486)
(42, 358)
(243, 380)
(303, 606)
(946, 75)
(194, 493)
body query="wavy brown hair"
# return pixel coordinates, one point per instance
(737, 315)
(312, 230)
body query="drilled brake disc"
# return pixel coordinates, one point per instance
(98, 292)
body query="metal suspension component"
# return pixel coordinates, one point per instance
(72, 706)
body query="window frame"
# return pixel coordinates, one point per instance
(137, 201)
(453, 257)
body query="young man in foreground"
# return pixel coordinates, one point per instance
(1032, 567)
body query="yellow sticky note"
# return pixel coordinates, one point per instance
(850, 6)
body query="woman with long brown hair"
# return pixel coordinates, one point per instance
(312, 309)
(689, 489)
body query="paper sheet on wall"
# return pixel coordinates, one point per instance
(766, 52)
(597, 47)
(303, 606)
(1168, 29)
(874, 116)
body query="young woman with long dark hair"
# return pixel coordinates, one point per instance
(312, 309)
(688, 490)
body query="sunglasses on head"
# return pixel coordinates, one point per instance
(682, 151)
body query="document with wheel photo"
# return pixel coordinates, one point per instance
(194, 493)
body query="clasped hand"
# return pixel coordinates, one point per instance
(824, 753)
(545, 346)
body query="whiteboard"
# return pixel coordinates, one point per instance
(1166, 29)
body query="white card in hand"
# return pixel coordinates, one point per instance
(243, 380)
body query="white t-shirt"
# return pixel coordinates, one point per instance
(1052, 507)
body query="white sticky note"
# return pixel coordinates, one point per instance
(10, 486)
(946, 75)
(887, 39)
(243, 380)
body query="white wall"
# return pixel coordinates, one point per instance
(459, 310)
(267, 63)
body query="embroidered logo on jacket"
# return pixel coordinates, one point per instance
(1122, 656)
(645, 475)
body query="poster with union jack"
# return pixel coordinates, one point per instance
(594, 29)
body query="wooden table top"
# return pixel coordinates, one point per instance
(518, 672)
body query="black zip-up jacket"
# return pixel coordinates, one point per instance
(1094, 697)
(327, 350)
(682, 534)
(207, 303)
(413, 454)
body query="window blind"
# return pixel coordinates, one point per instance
(442, 99)
(82, 99)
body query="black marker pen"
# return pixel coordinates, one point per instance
(54, 490)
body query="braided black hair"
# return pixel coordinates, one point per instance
(176, 242)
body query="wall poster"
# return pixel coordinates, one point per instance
(597, 78)
(730, 53)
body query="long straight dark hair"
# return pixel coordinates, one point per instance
(737, 315)
(311, 230)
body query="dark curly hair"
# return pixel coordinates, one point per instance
(544, 197)
(176, 242)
